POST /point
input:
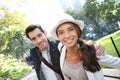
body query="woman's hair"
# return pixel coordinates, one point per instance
(88, 54)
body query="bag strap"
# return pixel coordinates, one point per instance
(46, 62)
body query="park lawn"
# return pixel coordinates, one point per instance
(108, 45)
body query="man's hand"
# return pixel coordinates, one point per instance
(98, 47)
(23, 59)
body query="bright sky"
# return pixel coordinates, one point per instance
(44, 12)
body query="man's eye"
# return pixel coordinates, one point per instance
(39, 35)
(33, 39)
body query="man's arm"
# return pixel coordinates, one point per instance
(27, 58)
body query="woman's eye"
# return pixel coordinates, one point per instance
(71, 29)
(60, 32)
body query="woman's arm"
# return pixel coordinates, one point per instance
(110, 61)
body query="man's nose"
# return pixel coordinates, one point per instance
(39, 40)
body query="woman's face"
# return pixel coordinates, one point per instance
(67, 34)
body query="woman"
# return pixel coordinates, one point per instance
(78, 60)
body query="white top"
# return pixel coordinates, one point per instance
(98, 75)
(48, 73)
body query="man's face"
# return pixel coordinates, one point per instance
(39, 39)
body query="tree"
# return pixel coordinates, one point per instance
(91, 8)
(110, 11)
(12, 26)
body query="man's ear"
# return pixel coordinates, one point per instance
(45, 33)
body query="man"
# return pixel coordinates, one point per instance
(48, 50)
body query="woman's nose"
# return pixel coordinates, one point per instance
(67, 35)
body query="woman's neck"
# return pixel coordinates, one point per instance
(73, 55)
(73, 50)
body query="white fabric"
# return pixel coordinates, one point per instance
(106, 59)
(109, 60)
(49, 74)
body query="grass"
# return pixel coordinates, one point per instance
(108, 45)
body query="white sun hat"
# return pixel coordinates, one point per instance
(80, 24)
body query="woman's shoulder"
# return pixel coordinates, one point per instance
(60, 46)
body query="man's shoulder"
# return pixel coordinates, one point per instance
(55, 42)
(33, 48)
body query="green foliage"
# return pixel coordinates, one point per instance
(91, 8)
(92, 11)
(12, 26)
(12, 69)
(110, 10)
(92, 14)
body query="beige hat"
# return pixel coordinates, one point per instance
(80, 23)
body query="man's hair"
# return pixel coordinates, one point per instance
(32, 27)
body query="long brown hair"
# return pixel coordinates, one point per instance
(88, 54)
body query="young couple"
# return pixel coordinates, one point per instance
(72, 57)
